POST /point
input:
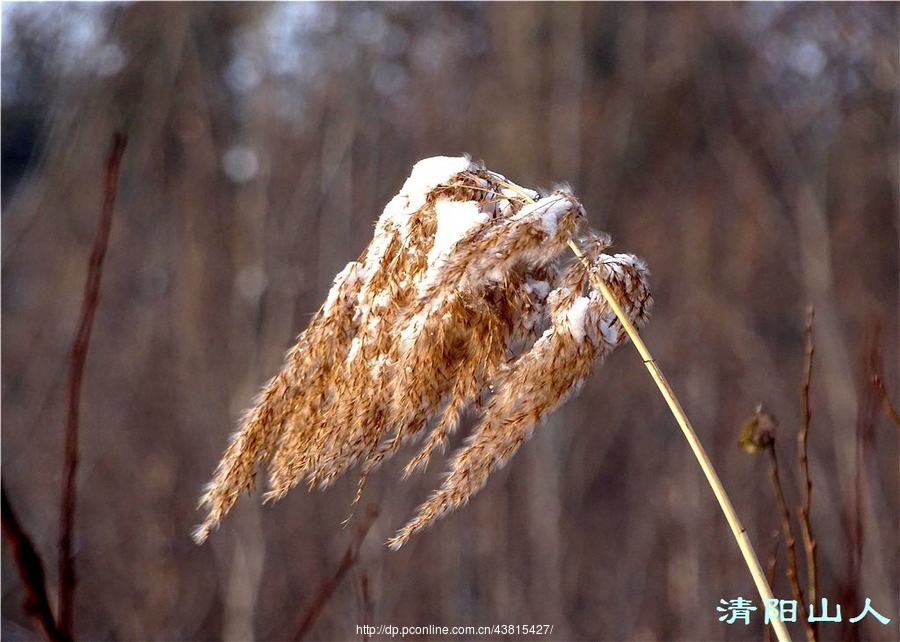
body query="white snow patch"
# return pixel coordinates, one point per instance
(576, 318)
(428, 173)
(395, 216)
(412, 330)
(352, 272)
(549, 222)
(354, 349)
(609, 333)
(382, 300)
(454, 220)
(616, 261)
(539, 288)
(385, 230)
(628, 259)
(550, 209)
(356, 273)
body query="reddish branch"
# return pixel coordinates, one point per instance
(76, 373)
(809, 542)
(31, 570)
(771, 569)
(330, 585)
(790, 543)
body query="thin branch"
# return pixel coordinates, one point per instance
(323, 595)
(791, 571)
(771, 570)
(76, 373)
(740, 534)
(809, 542)
(31, 570)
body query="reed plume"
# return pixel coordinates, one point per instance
(463, 300)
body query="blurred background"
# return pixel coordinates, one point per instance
(749, 152)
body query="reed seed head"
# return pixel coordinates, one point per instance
(464, 299)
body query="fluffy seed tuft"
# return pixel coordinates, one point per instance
(462, 299)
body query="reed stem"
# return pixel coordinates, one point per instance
(740, 534)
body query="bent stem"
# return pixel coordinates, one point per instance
(740, 534)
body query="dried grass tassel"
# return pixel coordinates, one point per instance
(465, 298)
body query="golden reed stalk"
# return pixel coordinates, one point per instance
(734, 523)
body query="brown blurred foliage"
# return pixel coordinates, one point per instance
(749, 152)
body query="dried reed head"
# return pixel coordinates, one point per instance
(461, 300)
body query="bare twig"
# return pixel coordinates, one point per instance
(756, 435)
(790, 545)
(31, 570)
(76, 372)
(740, 534)
(323, 595)
(809, 542)
(771, 569)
